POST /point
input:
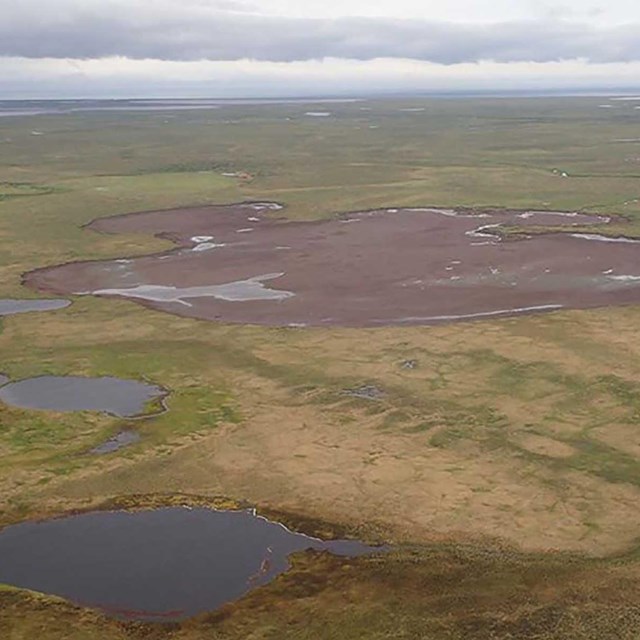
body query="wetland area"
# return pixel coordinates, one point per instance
(371, 268)
(409, 341)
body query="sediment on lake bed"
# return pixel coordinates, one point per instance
(239, 264)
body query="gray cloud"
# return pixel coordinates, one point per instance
(194, 31)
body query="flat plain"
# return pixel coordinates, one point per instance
(499, 457)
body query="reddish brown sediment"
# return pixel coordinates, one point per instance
(235, 263)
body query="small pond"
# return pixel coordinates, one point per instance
(123, 398)
(117, 442)
(165, 564)
(11, 307)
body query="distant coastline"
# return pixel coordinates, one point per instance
(53, 106)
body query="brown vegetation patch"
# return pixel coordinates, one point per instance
(237, 263)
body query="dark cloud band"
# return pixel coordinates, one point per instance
(219, 35)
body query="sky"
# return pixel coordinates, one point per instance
(269, 48)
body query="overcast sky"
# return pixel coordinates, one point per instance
(226, 48)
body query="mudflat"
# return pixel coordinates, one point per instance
(241, 264)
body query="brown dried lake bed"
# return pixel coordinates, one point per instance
(240, 263)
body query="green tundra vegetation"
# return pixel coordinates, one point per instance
(503, 465)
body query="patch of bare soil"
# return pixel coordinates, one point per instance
(544, 446)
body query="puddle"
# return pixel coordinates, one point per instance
(484, 314)
(481, 232)
(600, 238)
(272, 206)
(206, 246)
(165, 564)
(239, 291)
(119, 441)
(123, 398)
(203, 243)
(4, 379)
(10, 307)
(366, 392)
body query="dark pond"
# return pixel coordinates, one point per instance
(165, 564)
(71, 393)
(119, 441)
(10, 307)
